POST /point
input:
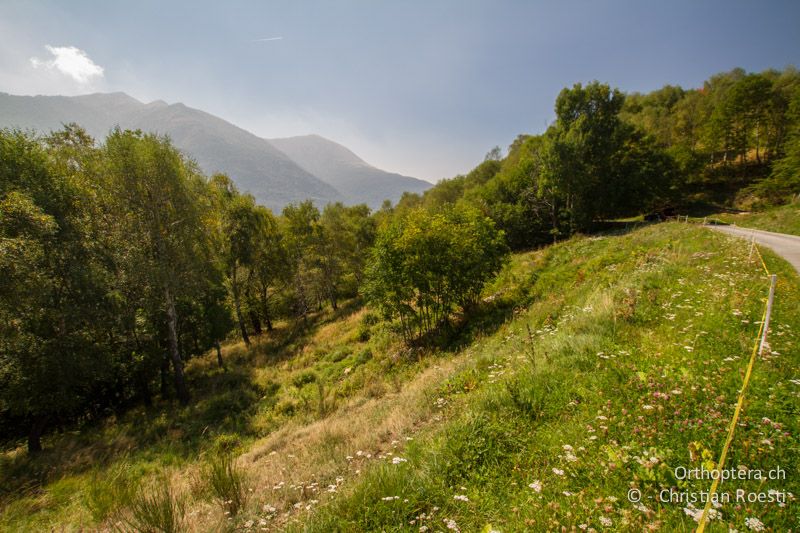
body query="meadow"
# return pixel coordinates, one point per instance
(595, 366)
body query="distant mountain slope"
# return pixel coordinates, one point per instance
(218, 146)
(334, 164)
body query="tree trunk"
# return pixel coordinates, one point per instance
(35, 434)
(174, 352)
(265, 308)
(238, 306)
(142, 377)
(144, 389)
(219, 354)
(165, 377)
(255, 321)
(334, 303)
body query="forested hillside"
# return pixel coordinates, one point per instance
(734, 143)
(138, 293)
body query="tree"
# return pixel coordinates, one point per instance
(271, 265)
(242, 228)
(300, 227)
(784, 181)
(54, 307)
(160, 198)
(425, 265)
(581, 172)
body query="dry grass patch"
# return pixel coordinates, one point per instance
(299, 465)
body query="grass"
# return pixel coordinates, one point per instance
(338, 426)
(631, 370)
(784, 219)
(303, 379)
(227, 482)
(156, 510)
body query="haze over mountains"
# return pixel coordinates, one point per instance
(276, 171)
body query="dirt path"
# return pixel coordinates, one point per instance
(787, 246)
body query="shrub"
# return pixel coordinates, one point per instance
(425, 265)
(304, 378)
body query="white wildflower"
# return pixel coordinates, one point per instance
(451, 524)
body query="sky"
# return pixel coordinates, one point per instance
(424, 88)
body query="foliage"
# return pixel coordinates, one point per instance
(54, 293)
(425, 265)
(595, 166)
(630, 372)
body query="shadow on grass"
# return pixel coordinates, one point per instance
(285, 342)
(224, 402)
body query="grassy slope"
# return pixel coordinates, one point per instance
(320, 412)
(301, 393)
(784, 219)
(637, 353)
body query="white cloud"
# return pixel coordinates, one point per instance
(72, 62)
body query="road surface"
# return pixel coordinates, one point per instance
(786, 246)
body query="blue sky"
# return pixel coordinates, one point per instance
(422, 88)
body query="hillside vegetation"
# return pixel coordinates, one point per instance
(600, 364)
(504, 351)
(622, 368)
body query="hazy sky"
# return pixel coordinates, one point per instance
(423, 88)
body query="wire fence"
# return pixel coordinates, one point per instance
(759, 344)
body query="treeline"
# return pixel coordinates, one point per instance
(120, 261)
(736, 140)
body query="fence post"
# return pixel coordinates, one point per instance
(773, 280)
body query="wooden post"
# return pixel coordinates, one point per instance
(773, 281)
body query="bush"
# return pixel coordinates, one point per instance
(426, 265)
(304, 378)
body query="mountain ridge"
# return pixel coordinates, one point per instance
(344, 170)
(257, 165)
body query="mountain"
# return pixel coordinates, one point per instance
(357, 180)
(255, 164)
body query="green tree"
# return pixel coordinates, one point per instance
(581, 171)
(54, 307)
(784, 180)
(242, 228)
(425, 265)
(159, 195)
